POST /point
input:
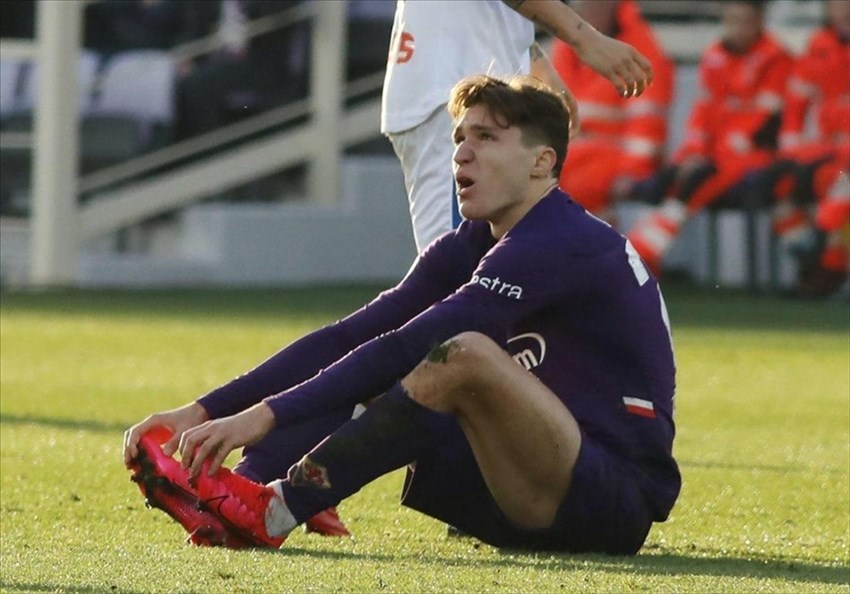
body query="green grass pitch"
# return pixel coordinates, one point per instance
(763, 413)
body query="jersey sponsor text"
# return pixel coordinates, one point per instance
(498, 285)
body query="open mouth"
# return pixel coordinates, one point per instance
(463, 183)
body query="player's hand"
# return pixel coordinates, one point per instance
(178, 420)
(619, 62)
(216, 439)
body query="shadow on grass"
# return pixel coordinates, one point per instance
(645, 564)
(59, 423)
(756, 567)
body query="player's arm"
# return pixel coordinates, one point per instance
(369, 370)
(486, 304)
(510, 282)
(628, 70)
(288, 367)
(542, 69)
(423, 285)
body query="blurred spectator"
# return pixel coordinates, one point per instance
(816, 168)
(731, 132)
(246, 73)
(17, 18)
(621, 140)
(117, 25)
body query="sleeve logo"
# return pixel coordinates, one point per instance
(497, 285)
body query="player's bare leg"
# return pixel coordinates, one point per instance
(524, 439)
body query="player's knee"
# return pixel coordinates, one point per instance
(462, 351)
(450, 365)
(476, 347)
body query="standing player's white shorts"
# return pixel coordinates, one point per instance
(426, 153)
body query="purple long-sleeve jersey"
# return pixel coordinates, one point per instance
(562, 291)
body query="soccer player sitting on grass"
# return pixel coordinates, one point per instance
(525, 363)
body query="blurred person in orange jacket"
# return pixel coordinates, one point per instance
(816, 167)
(732, 132)
(620, 140)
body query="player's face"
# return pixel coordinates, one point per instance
(492, 167)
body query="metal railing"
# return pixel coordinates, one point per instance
(60, 225)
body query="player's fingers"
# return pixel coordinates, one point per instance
(218, 458)
(640, 82)
(634, 81)
(634, 88)
(131, 439)
(636, 74)
(208, 447)
(621, 79)
(188, 442)
(170, 446)
(645, 66)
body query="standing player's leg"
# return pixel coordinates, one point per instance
(425, 153)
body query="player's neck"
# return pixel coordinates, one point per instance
(536, 193)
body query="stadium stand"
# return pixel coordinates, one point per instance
(16, 161)
(8, 85)
(132, 110)
(682, 25)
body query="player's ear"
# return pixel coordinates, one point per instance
(544, 162)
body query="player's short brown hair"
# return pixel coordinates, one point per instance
(540, 113)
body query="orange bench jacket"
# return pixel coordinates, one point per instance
(738, 95)
(821, 78)
(618, 136)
